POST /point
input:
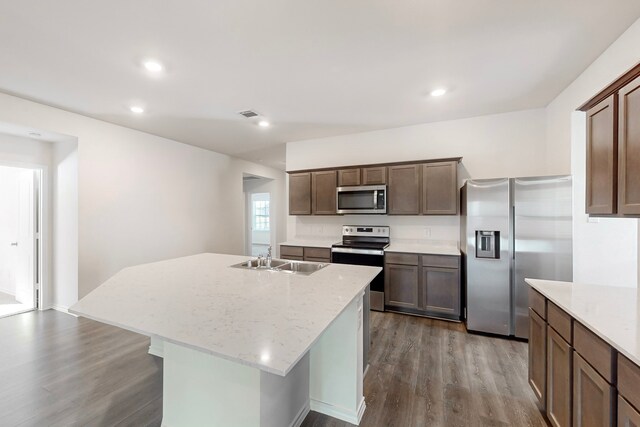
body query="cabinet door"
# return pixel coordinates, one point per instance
(629, 149)
(538, 356)
(300, 193)
(559, 359)
(602, 153)
(404, 190)
(627, 415)
(323, 192)
(441, 290)
(440, 188)
(348, 177)
(374, 176)
(401, 285)
(592, 396)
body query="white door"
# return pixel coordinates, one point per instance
(25, 263)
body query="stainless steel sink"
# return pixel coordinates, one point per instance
(302, 267)
(280, 265)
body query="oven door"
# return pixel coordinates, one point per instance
(368, 199)
(374, 258)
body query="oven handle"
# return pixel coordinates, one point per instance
(358, 251)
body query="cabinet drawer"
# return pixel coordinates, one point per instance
(559, 321)
(538, 303)
(312, 259)
(441, 261)
(398, 258)
(291, 251)
(598, 353)
(629, 380)
(324, 253)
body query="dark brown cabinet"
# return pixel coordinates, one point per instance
(602, 152)
(302, 253)
(425, 285)
(323, 192)
(300, 193)
(404, 190)
(440, 188)
(629, 149)
(401, 285)
(627, 414)
(559, 364)
(538, 356)
(441, 290)
(592, 396)
(347, 177)
(374, 175)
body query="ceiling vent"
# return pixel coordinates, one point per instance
(248, 114)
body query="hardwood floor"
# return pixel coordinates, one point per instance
(57, 370)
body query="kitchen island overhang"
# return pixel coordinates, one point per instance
(283, 342)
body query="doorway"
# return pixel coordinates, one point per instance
(19, 239)
(259, 214)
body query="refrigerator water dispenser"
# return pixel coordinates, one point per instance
(488, 244)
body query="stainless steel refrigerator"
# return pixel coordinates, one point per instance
(512, 229)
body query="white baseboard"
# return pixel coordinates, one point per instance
(63, 309)
(304, 411)
(338, 412)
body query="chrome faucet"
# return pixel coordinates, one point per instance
(269, 257)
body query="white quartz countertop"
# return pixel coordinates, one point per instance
(264, 319)
(610, 312)
(423, 248)
(311, 243)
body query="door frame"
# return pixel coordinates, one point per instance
(42, 240)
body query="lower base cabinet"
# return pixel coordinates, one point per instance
(537, 357)
(559, 364)
(592, 396)
(627, 414)
(424, 285)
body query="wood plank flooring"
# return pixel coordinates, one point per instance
(57, 370)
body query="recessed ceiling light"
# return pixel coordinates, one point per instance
(153, 66)
(438, 92)
(137, 109)
(264, 124)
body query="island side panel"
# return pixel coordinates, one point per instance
(201, 389)
(336, 365)
(285, 400)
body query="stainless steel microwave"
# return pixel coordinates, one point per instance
(366, 199)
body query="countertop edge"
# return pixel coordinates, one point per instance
(535, 284)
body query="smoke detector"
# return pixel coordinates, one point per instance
(248, 114)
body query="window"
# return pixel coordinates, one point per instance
(261, 215)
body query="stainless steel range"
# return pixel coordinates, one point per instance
(364, 245)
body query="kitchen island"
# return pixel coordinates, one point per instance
(244, 347)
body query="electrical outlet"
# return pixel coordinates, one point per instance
(427, 232)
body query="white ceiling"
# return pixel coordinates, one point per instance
(313, 68)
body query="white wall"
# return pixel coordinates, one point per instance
(606, 251)
(501, 145)
(141, 198)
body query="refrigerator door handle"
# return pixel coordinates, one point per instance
(513, 233)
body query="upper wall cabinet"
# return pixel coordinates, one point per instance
(323, 192)
(300, 193)
(348, 177)
(629, 149)
(427, 187)
(602, 151)
(440, 188)
(613, 148)
(374, 176)
(404, 190)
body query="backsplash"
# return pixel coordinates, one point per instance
(437, 230)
